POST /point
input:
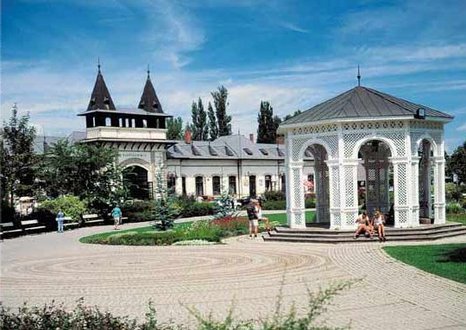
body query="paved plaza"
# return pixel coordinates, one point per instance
(245, 273)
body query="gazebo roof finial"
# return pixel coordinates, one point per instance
(359, 77)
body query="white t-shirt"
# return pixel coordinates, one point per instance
(259, 212)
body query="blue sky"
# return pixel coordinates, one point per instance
(294, 54)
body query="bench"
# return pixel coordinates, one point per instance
(92, 218)
(8, 229)
(69, 222)
(31, 225)
(123, 219)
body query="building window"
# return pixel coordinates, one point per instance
(171, 182)
(268, 183)
(199, 185)
(108, 121)
(120, 122)
(93, 121)
(252, 185)
(144, 123)
(216, 185)
(183, 186)
(232, 185)
(283, 183)
(126, 122)
(133, 122)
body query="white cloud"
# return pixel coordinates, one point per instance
(462, 128)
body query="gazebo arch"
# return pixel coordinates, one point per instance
(344, 124)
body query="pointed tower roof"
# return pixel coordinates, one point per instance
(100, 97)
(149, 100)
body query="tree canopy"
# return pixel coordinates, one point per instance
(220, 102)
(268, 124)
(457, 163)
(17, 159)
(213, 127)
(175, 128)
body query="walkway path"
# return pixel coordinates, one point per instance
(46, 267)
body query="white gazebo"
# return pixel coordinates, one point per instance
(397, 145)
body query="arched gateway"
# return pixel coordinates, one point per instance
(393, 142)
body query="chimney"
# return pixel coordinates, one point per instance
(280, 139)
(187, 136)
(251, 137)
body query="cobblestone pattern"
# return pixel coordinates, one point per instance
(245, 273)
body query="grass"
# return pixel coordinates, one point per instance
(459, 217)
(446, 260)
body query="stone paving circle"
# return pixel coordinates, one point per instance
(243, 273)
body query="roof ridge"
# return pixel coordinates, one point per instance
(385, 97)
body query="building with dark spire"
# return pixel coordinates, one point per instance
(149, 100)
(139, 134)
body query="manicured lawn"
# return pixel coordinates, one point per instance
(447, 260)
(281, 217)
(457, 218)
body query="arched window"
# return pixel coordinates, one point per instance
(199, 185)
(93, 121)
(120, 122)
(133, 122)
(127, 122)
(108, 121)
(144, 123)
(216, 185)
(183, 186)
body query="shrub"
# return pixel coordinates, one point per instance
(231, 225)
(135, 238)
(310, 203)
(454, 208)
(452, 192)
(203, 230)
(8, 212)
(274, 205)
(71, 206)
(274, 195)
(197, 209)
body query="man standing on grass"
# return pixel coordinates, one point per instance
(116, 214)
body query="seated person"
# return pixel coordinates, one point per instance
(379, 221)
(364, 225)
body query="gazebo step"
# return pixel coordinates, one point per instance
(387, 229)
(433, 233)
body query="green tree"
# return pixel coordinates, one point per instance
(202, 128)
(84, 170)
(213, 127)
(165, 208)
(17, 158)
(195, 119)
(457, 163)
(268, 124)
(175, 128)
(220, 102)
(71, 206)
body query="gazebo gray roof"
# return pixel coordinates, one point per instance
(362, 102)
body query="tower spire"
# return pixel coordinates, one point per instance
(149, 100)
(98, 64)
(359, 77)
(148, 72)
(100, 97)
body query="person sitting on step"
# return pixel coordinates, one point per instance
(379, 221)
(364, 225)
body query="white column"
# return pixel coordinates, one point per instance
(349, 199)
(295, 197)
(401, 183)
(439, 190)
(415, 191)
